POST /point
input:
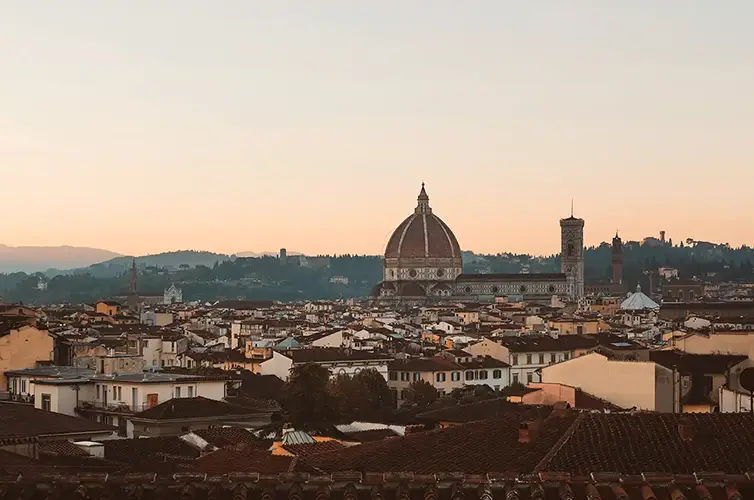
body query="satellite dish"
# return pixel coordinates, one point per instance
(746, 379)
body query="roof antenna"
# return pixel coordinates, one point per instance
(571, 207)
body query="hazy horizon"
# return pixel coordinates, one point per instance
(144, 127)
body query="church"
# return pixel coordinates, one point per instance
(423, 264)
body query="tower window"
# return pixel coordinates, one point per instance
(571, 249)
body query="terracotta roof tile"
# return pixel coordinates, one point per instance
(484, 410)
(653, 442)
(310, 449)
(478, 447)
(224, 437)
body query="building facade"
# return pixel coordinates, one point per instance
(572, 254)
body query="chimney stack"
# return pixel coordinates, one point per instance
(686, 429)
(527, 431)
(413, 429)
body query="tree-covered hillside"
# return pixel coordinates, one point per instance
(204, 277)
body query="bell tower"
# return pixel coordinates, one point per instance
(572, 254)
(616, 260)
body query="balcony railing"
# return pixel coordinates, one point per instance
(110, 406)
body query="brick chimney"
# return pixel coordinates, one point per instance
(686, 429)
(413, 429)
(527, 431)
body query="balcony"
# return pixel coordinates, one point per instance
(110, 407)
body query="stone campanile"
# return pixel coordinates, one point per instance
(572, 254)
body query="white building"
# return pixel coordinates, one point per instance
(172, 295)
(338, 361)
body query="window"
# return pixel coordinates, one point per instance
(497, 373)
(529, 377)
(528, 359)
(417, 376)
(482, 375)
(393, 375)
(190, 391)
(96, 387)
(469, 375)
(404, 394)
(404, 376)
(566, 356)
(515, 359)
(541, 358)
(515, 378)
(440, 377)
(46, 402)
(23, 386)
(178, 392)
(120, 394)
(579, 329)
(455, 376)
(552, 357)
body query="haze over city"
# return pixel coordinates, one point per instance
(146, 127)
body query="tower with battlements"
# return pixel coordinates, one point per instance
(572, 254)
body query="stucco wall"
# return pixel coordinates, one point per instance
(624, 383)
(22, 348)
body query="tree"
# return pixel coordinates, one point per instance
(309, 403)
(422, 394)
(378, 402)
(365, 396)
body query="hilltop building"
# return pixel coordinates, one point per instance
(423, 263)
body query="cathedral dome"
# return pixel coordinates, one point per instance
(423, 235)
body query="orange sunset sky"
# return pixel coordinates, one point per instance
(231, 126)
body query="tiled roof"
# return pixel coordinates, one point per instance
(196, 407)
(370, 435)
(309, 449)
(139, 451)
(696, 363)
(18, 420)
(478, 447)
(223, 437)
(486, 362)
(62, 447)
(433, 364)
(390, 486)
(323, 355)
(541, 343)
(483, 410)
(647, 442)
(225, 461)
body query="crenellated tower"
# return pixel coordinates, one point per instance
(572, 254)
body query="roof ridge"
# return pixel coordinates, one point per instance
(560, 443)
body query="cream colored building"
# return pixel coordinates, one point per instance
(732, 342)
(23, 347)
(641, 384)
(443, 374)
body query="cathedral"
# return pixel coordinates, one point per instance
(423, 264)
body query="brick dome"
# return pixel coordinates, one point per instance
(423, 235)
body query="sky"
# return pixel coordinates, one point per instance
(247, 125)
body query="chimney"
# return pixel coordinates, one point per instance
(287, 427)
(413, 429)
(527, 431)
(686, 429)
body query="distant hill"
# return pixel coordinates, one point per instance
(38, 258)
(263, 254)
(168, 260)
